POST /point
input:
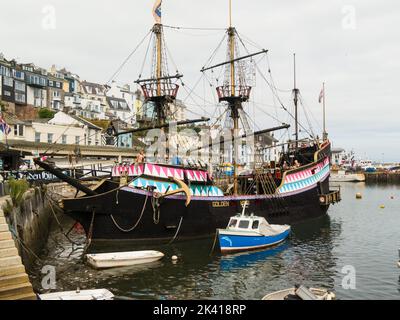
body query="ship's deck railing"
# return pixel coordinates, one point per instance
(228, 91)
(160, 89)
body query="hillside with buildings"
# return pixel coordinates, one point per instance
(52, 106)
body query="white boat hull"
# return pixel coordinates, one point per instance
(349, 177)
(122, 259)
(321, 294)
(96, 294)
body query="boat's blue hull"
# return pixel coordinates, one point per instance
(230, 243)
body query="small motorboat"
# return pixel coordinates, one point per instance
(398, 263)
(96, 294)
(250, 232)
(122, 259)
(301, 293)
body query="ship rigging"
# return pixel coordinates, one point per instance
(165, 202)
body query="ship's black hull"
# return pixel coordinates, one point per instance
(200, 219)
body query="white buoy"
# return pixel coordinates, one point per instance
(174, 258)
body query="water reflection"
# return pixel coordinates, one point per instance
(250, 259)
(313, 255)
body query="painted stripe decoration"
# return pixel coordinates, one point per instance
(159, 171)
(303, 179)
(163, 187)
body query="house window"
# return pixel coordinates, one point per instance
(56, 94)
(19, 97)
(50, 83)
(18, 130)
(8, 81)
(18, 74)
(64, 139)
(20, 86)
(7, 93)
(5, 71)
(38, 93)
(77, 139)
(49, 138)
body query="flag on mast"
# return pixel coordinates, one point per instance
(321, 95)
(4, 127)
(157, 11)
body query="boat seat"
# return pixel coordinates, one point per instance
(305, 294)
(291, 297)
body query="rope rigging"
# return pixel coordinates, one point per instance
(128, 58)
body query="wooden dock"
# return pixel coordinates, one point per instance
(383, 177)
(14, 281)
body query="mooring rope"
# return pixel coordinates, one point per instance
(215, 242)
(177, 231)
(59, 224)
(23, 245)
(90, 233)
(137, 222)
(156, 210)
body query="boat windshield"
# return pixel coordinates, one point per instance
(244, 224)
(232, 223)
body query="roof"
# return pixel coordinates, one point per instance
(5, 149)
(38, 120)
(122, 104)
(337, 150)
(86, 122)
(11, 119)
(101, 123)
(23, 146)
(85, 84)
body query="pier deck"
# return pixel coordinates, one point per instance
(382, 177)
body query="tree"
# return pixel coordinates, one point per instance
(2, 106)
(45, 113)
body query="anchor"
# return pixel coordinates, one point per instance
(182, 188)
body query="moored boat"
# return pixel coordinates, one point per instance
(95, 294)
(122, 259)
(398, 263)
(301, 293)
(345, 176)
(249, 232)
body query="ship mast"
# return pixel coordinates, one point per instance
(296, 100)
(234, 90)
(234, 105)
(160, 88)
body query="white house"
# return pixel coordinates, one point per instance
(124, 93)
(41, 131)
(86, 107)
(118, 109)
(91, 133)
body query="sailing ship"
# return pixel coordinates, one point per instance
(164, 202)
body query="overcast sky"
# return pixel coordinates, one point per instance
(351, 45)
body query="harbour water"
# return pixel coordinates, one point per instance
(356, 235)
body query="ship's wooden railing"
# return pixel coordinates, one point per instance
(226, 92)
(164, 88)
(332, 197)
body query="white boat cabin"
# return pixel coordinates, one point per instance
(249, 223)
